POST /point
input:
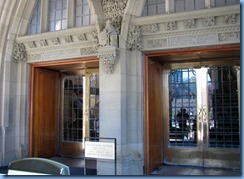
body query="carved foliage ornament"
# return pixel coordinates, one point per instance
(171, 26)
(209, 21)
(229, 36)
(19, 52)
(190, 23)
(230, 19)
(113, 10)
(109, 58)
(152, 28)
(134, 40)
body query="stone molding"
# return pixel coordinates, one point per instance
(109, 57)
(213, 27)
(204, 27)
(70, 43)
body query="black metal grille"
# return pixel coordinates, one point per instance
(73, 108)
(223, 108)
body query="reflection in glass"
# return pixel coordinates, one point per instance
(182, 108)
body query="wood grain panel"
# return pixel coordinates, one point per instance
(153, 116)
(45, 113)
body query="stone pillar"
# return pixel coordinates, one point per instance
(121, 113)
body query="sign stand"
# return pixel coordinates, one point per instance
(96, 147)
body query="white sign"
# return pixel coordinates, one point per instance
(100, 150)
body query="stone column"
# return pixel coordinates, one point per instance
(121, 102)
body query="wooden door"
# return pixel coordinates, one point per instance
(45, 113)
(153, 115)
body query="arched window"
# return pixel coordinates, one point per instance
(34, 26)
(57, 15)
(82, 13)
(154, 7)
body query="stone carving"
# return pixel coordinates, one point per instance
(56, 41)
(156, 43)
(152, 28)
(233, 28)
(19, 52)
(31, 44)
(134, 40)
(88, 50)
(171, 26)
(229, 36)
(113, 10)
(191, 40)
(95, 37)
(230, 19)
(208, 21)
(82, 37)
(190, 23)
(34, 57)
(43, 43)
(109, 58)
(68, 39)
(108, 37)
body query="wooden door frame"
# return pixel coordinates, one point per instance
(147, 55)
(33, 67)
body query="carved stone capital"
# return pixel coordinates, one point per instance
(19, 52)
(109, 57)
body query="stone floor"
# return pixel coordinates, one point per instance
(76, 166)
(167, 170)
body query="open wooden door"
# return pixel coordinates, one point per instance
(153, 135)
(44, 119)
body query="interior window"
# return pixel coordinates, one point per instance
(154, 7)
(34, 26)
(82, 13)
(57, 14)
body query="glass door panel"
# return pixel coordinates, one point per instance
(201, 118)
(80, 111)
(182, 108)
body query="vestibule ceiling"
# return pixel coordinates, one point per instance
(197, 56)
(76, 68)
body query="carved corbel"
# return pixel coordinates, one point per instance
(109, 58)
(19, 52)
